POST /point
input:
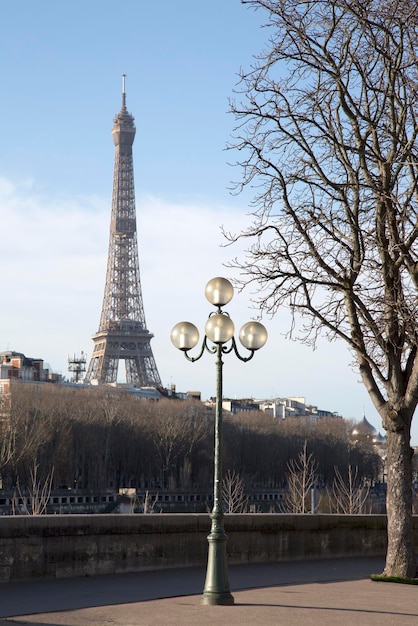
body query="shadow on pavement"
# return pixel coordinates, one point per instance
(42, 596)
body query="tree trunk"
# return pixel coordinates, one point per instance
(400, 557)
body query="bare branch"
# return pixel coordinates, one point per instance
(301, 478)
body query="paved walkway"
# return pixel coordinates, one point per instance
(309, 593)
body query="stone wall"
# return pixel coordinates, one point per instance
(57, 546)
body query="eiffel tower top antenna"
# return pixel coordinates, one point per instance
(123, 91)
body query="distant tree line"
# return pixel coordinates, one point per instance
(100, 438)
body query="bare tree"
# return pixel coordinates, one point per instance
(349, 495)
(34, 498)
(327, 132)
(301, 479)
(7, 435)
(148, 503)
(176, 429)
(233, 493)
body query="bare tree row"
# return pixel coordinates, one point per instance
(100, 438)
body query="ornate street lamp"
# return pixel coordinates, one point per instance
(219, 330)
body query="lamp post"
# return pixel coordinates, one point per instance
(219, 330)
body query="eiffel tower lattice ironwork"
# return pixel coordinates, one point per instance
(123, 333)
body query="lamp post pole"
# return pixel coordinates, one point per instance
(219, 330)
(217, 590)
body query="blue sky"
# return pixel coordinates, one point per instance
(61, 65)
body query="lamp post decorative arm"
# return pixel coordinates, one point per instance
(213, 350)
(234, 347)
(219, 330)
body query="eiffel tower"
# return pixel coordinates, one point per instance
(123, 333)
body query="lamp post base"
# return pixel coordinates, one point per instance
(217, 599)
(217, 591)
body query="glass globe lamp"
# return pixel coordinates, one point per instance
(219, 328)
(253, 335)
(219, 291)
(184, 336)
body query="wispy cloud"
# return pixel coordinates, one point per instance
(53, 261)
(53, 265)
